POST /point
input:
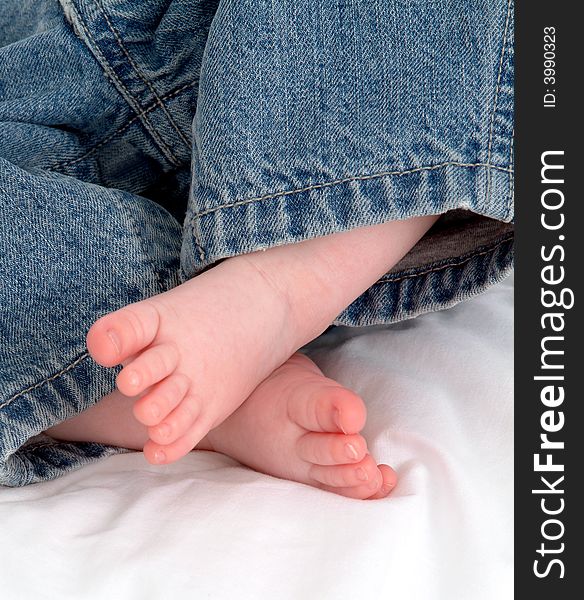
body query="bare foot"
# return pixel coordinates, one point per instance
(297, 425)
(200, 349)
(300, 425)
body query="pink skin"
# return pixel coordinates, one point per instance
(300, 425)
(194, 353)
(297, 424)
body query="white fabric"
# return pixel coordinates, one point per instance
(439, 393)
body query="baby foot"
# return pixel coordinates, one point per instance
(302, 426)
(197, 351)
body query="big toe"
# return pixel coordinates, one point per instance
(121, 334)
(327, 407)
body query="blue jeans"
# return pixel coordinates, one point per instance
(142, 142)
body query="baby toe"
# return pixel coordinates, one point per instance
(349, 412)
(328, 408)
(149, 368)
(365, 491)
(158, 454)
(365, 473)
(115, 337)
(161, 399)
(177, 423)
(389, 481)
(331, 448)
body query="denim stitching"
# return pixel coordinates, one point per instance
(142, 76)
(109, 137)
(44, 381)
(134, 104)
(145, 255)
(446, 266)
(347, 180)
(97, 146)
(511, 198)
(492, 125)
(196, 233)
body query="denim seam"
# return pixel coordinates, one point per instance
(347, 180)
(121, 129)
(146, 258)
(511, 198)
(47, 380)
(142, 76)
(125, 93)
(446, 266)
(197, 234)
(495, 100)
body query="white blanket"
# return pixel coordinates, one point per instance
(439, 394)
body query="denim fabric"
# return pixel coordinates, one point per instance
(251, 123)
(74, 251)
(317, 117)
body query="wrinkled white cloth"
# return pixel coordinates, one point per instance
(439, 394)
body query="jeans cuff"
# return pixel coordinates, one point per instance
(470, 250)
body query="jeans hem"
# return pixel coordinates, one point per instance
(280, 218)
(49, 402)
(442, 287)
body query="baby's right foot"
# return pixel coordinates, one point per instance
(302, 426)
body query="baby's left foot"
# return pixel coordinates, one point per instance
(302, 426)
(297, 424)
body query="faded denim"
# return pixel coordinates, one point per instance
(142, 142)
